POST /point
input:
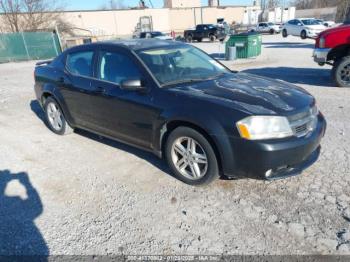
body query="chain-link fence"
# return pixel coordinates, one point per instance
(28, 46)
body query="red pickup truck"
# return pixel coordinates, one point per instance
(333, 48)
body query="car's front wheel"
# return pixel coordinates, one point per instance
(189, 39)
(212, 38)
(341, 72)
(303, 34)
(191, 157)
(55, 118)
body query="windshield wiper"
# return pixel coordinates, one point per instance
(184, 81)
(193, 80)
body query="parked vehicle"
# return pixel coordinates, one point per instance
(155, 34)
(268, 28)
(174, 100)
(333, 47)
(303, 27)
(201, 32)
(326, 23)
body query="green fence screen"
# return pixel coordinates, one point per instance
(28, 46)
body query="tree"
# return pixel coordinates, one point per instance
(30, 15)
(10, 10)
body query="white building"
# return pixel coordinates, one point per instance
(182, 3)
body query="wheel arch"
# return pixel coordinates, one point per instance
(339, 52)
(173, 124)
(50, 91)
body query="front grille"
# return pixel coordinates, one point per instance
(304, 123)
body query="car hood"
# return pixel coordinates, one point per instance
(337, 29)
(251, 94)
(316, 27)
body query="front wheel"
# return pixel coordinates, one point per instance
(189, 39)
(341, 72)
(55, 119)
(191, 157)
(303, 34)
(272, 32)
(212, 38)
(284, 33)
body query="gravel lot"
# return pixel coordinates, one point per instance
(88, 195)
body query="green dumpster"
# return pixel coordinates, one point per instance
(247, 44)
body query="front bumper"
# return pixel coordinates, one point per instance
(321, 54)
(275, 159)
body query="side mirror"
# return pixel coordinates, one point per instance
(132, 85)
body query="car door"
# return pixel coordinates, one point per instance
(123, 114)
(298, 27)
(76, 85)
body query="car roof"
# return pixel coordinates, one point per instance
(140, 44)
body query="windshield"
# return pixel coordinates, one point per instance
(310, 22)
(180, 64)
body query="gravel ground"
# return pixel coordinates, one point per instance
(81, 194)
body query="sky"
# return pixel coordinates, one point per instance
(94, 4)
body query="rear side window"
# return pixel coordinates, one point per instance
(116, 67)
(80, 63)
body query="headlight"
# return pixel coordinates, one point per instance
(264, 127)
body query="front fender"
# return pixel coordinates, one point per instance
(208, 124)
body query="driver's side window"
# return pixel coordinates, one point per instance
(115, 67)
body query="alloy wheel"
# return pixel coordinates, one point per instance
(345, 74)
(55, 116)
(189, 158)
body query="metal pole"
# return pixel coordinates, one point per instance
(25, 46)
(54, 43)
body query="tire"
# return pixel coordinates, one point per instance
(189, 39)
(55, 119)
(303, 34)
(185, 166)
(212, 38)
(284, 33)
(272, 32)
(341, 72)
(199, 40)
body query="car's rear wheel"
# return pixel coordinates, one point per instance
(303, 34)
(272, 31)
(341, 72)
(199, 39)
(191, 157)
(189, 38)
(55, 119)
(284, 33)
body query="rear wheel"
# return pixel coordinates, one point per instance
(272, 31)
(191, 157)
(284, 33)
(55, 119)
(199, 39)
(303, 34)
(341, 72)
